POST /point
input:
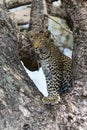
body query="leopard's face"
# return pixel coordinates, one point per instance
(40, 42)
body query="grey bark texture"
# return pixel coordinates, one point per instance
(21, 107)
(77, 13)
(15, 3)
(37, 20)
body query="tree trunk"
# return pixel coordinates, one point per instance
(21, 107)
(77, 12)
(17, 91)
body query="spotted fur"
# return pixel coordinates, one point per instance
(56, 67)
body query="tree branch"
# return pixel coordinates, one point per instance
(24, 16)
(37, 16)
(67, 30)
(15, 3)
(57, 11)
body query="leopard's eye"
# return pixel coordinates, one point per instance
(40, 43)
(48, 34)
(31, 36)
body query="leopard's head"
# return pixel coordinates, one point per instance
(41, 41)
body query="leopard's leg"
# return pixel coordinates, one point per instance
(66, 84)
(53, 97)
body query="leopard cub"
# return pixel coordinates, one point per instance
(56, 66)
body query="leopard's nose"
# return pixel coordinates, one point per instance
(36, 44)
(37, 49)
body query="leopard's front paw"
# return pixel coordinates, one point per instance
(55, 99)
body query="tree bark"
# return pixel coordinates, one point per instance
(15, 3)
(24, 16)
(77, 12)
(21, 107)
(57, 11)
(37, 20)
(15, 85)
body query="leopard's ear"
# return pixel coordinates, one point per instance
(32, 35)
(48, 34)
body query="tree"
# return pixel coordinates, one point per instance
(20, 101)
